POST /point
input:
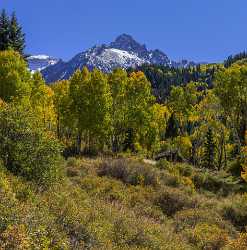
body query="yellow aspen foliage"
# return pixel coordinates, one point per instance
(42, 101)
(15, 80)
(183, 143)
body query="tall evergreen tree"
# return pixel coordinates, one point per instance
(209, 151)
(172, 129)
(4, 31)
(16, 36)
(11, 35)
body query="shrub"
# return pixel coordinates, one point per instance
(207, 181)
(163, 164)
(176, 174)
(131, 172)
(23, 192)
(72, 172)
(73, 219)
(168, 179)
(104, 188)
(238, 244)
(73, 162)
(124, 235)
(76, 167)
(173, 200)
(4, 183)
(208, 236)
(220, 183)
(15, 237)
(26, 149)
(189, 218)
(235, 168)
(235, 210)
(116, 168)
(185, 169)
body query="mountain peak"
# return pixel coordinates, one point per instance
(124, 37)
(128, 43)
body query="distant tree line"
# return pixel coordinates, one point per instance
(234, 58)
(162, 78)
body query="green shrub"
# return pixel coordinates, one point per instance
(4, 182)
(235, 210)
(208, 236)
(24, 192)
(235, 167)
(73, 218)
(207, 181)
(220, 183)
(163, 164)
(26, 149)
(73, 162)
(189, 218)
(124, 234)
(104, 188)
(185, 169)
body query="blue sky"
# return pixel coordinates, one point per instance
(208, 30)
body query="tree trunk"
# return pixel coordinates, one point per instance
(79, 142)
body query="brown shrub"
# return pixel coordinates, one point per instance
(172, 200)
(130, 172)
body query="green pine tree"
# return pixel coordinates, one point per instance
(172, 129)
(11, 35)
(17, 37)
(209, 150)
(5, 42)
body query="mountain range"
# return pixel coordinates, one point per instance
(124, 52)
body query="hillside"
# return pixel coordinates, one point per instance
(124, 204)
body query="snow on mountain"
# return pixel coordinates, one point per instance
(111, 58)
(39, 57)
(40, 62)
(124, 52)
